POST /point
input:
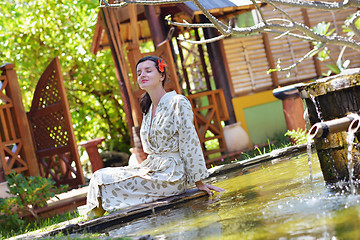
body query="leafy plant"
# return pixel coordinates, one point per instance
(339, 65)
(33, 32)
(28, 194)
(299, 135)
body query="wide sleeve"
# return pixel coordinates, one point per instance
(189, 143)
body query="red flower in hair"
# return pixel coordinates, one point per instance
(161, 65)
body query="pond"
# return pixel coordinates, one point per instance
(273, 200)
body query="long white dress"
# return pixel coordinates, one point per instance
(175, 161)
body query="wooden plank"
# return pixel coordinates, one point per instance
(21, 124)
(11, 126)
(4, 125)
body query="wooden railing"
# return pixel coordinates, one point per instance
(41, 142)
(16, 145)
(210, 109)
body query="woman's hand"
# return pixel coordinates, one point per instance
(207, 188)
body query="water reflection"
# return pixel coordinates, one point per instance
(269, 201)
(193, 220)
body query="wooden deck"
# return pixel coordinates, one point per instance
(70, 200)
(66, 202)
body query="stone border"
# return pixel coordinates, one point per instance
(142, 210)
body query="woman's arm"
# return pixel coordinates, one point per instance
(207, 187)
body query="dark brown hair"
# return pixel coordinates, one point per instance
(145, 100)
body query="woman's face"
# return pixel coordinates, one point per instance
(148, 76)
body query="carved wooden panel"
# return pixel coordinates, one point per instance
(52, 130)
(16, 146)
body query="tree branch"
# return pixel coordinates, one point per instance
(350, 23)
(259, 10)
(280, 10)
(319, 4)
(307, 55)
(281, 27)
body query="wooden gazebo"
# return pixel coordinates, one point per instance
(206, 84)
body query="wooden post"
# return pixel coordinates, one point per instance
(112, 31)
(22, 126)
(220, 70)
(185, 74)
(270, 58)
(155, 24)
(91, 147)
(202, 58)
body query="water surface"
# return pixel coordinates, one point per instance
(272, 200)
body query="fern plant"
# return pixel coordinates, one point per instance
(299, 135)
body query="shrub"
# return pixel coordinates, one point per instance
(28, 194)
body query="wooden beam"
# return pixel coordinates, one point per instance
(133, 24)
(156, 24)
(220, 69)
(185, 75)
(202, 59)
(270, 59)
(112, 31)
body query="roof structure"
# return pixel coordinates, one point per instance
(219, 4)
(187, 10)
(217, 7)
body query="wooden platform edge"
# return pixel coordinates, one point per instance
(118, 217)
(278, 153)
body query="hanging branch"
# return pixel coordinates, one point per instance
(350, 23)
(311, 53)
(281, 27)
(321, 5)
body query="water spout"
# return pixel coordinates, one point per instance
(323, 129)
(353, 128)
(355, 124)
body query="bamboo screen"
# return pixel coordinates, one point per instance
(337, 20)
(247, 56)
(290, 50)
(247, 64)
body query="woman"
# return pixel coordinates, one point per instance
(168, 136)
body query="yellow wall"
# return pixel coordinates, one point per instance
(240, 103)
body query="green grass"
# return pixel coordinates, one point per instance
(30, 226)
(278, 142)
(49, 224)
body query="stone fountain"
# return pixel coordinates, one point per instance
(333, 104)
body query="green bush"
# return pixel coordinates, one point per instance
(28, 193)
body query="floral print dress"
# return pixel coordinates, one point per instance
(175, 161)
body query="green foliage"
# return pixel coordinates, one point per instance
(28, 193)
(33, 32)
(299, 135)
(335, 67)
